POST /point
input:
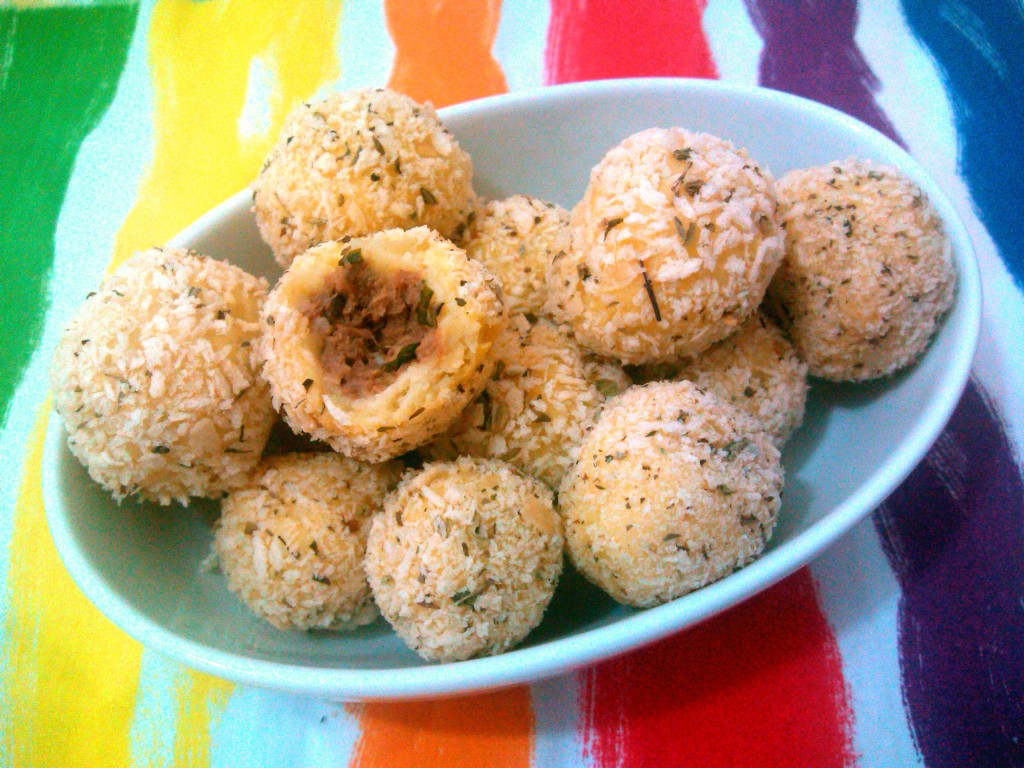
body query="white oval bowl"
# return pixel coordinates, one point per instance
(141, 564)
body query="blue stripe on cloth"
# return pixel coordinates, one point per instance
(977, 48)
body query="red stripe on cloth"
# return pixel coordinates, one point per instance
(604, 39)
(759, 686)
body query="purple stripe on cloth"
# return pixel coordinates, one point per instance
(809, 50)
(954, 531)
(954, 535)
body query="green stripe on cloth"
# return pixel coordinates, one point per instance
(59, 68)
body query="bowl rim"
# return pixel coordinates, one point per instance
(563, 655)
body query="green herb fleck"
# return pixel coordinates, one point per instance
(426, 313)
(735, 448)
(612, 223)
(428, 196)
(650, 293)
(405, 354)
(607, 387)
(161, 449)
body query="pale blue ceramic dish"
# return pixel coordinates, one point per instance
(140, 564)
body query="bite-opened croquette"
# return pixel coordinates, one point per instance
(376, 344)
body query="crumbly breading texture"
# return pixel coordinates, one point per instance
(358, 162)
(756, 369)
(291, 542)
(673, 246)
(868, 269)
(465, 557)
(536, 407)
(516, 238)
(156, 382)
(672, 489)
(429, 390)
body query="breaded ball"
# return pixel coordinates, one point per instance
(464, 558)
(757, 370)
(673, 246)
(868, 270)
(359, 162)
(375, 345)
(672, 489)
(291, 542)
(516, 239)
(535, 408)
(156, 381)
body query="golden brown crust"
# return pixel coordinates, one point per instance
(536, 407)
(291, 542)
(156, 381)
(516, 238)
(868, 270)
(465, 557)
(673, 246)
(672, 489)
(357, 162)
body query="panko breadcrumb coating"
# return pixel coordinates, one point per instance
(358, 162)
(375, 345)
(156, 381)
(291, 542)
(672, 489)
(464, 558)
(757, 370)
(673, 246)
(867, 273)
(516, 238)
(535, 408)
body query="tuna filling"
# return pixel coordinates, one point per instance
(373, 326)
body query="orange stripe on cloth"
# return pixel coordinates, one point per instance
(492, 729)
(443, 49)
(443, 55)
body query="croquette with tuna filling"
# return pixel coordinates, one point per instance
(673, 246)
(374, 345)
(156, 382)
(671, 490)
(359, 162)
(868, 270)
(291, 541)
(464, 558)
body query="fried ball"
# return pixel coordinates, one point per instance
(156, 381)
(375, 345)
(756, 369)
(464, 558)
(359, 162)
(535, 408)
(868, 270)
(516, 238)
(673, 245)
(291, 541)
(672, 489)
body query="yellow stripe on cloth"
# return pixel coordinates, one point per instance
(203, 58)
(210, 63)
(72, 675)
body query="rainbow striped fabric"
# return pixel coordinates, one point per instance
(903, 645)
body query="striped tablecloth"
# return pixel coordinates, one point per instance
(120, 123)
